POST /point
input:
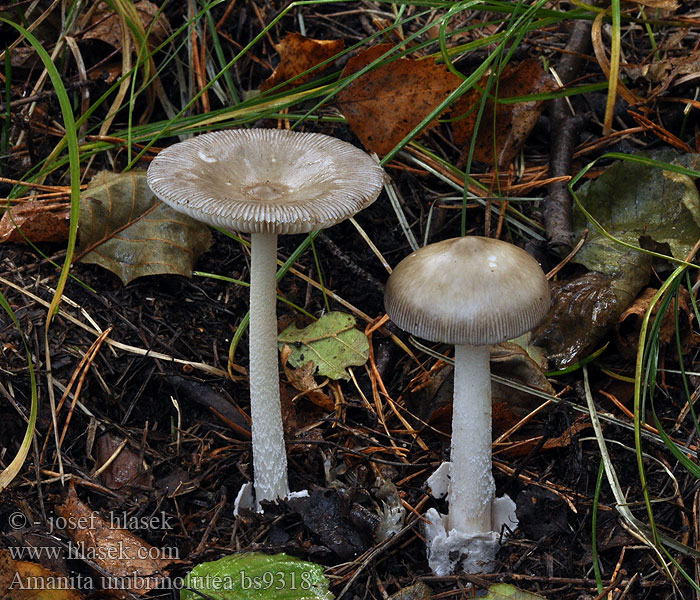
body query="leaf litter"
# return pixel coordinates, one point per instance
(502, 128)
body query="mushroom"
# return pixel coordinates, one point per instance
(471, 292)
(266, 182)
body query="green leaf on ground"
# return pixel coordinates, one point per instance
(504, 591)
(332, 344)
(631, 200)
(257, 576)
(125, 229)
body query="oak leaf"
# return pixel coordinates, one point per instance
(125, 229)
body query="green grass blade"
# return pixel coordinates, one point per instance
(10, 472)
(645, 379)
(219, 51)
(71, 138)
(594, 528)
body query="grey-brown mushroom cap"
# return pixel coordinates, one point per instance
(468, 290)
(266, 180)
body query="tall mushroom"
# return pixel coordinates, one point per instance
(471, 292)
(266, 182)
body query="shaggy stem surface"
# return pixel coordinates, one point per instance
(269, 453)
(472, 487)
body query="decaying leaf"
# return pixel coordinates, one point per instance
(23, 580)
(105, 24)
(638, 205)
(503, 127)
(419, 591)
(385, 104)
(541, 513)
(124, 463)
(332, 344)
(131, 563)
(666, 70)
(630, 200)
(216, 401)
(512, 362)
(257, 576)
(24, 58)
(431, 399)
(298, 54)
(511, 404)
(523, 447)
(584, 309)
(326, 514)
(125, 229)
(630, 323)
(37, 221)
(302, 379)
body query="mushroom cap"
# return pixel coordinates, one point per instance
(468, 290)
(266, 180)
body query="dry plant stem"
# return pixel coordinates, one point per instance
(557, 211)
(472, 487)
(269, 455)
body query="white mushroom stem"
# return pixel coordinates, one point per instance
(269, 454)
(472, 487)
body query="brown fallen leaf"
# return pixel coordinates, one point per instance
(523, 448)
(105, 25)
(126, 561)
(326, 514)
(37, 221)
(298, 54)
(503, 127)
(36, 544)
(512, 362)
(302, 380)
(630, 323)
(584, 309)
(385, 104)
(541, 513)
(214, 400)
(124, 468)
(23, 580)
(432, 400)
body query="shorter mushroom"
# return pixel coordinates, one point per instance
(471, 292)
